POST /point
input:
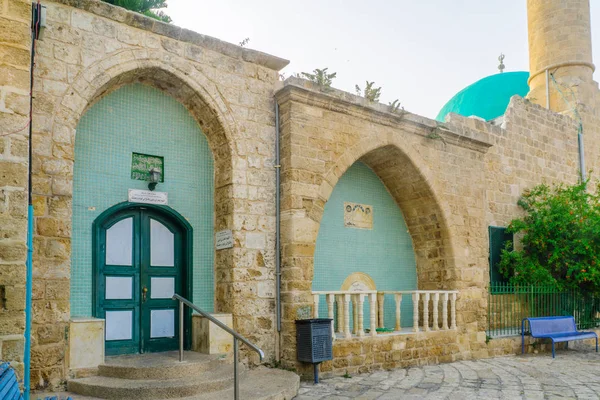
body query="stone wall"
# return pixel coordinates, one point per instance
(88, 49)
(15, 44)
(451, 182)
(436, 176)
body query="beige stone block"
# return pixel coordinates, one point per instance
(209, 338)
(86, 343)
(14, 32)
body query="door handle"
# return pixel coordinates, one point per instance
(144, 291)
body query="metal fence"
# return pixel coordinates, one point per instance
(509, 304)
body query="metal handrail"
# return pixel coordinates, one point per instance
(236, 337)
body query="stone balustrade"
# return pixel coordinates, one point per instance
(432, 310)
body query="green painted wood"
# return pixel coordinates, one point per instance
(141, 272)
(498, 238)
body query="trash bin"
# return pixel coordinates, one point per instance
(314, 343)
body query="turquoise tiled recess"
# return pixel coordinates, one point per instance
(141, 119)
(385, 252)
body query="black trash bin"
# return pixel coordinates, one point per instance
(314, 343)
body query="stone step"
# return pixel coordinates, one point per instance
(160, 365)
(259, 384)
(105, 387)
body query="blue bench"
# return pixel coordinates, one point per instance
(9, 386)
(558, 329)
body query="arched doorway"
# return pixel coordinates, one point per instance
(142, 256)
(115, 139)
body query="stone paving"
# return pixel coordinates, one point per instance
(573, 374)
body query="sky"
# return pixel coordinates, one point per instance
(420, 52)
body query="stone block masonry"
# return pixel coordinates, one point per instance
(89, 48)
(450, 180)
(15, 42)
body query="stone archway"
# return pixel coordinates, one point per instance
(54, 159)
(414, 188)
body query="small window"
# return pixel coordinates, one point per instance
(498, 238)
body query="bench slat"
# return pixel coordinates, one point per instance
(3, 368)
(8, 382)
(14, 394)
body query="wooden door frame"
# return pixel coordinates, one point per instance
(187, 240)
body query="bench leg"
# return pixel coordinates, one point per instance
(553, 349)
(596, 344)
(567, 345)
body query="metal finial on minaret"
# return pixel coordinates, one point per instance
(501, 66)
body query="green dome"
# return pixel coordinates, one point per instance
(487, 98)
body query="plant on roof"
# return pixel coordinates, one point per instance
(370, 92)
(561, 239)
(395, 106)
(320, 76)
(150, 8)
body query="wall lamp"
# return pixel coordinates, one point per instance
(155, 175)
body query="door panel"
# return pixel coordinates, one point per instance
(117, 281)
(140, 265)
(161, 276)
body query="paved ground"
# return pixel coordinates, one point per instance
(572, 374)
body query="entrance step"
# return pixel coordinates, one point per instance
(159, 365)
(116, 388)
(161, 376)
(260, 384)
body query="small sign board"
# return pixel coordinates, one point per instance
(224, 239)
(141, 164)
(148, 197)
(358, 216)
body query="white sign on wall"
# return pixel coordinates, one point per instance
(358, 216)
(224, 239)
(148, 197)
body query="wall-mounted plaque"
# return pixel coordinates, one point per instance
(148, 197)
(358, 216)
(141, 164)
(224, 239)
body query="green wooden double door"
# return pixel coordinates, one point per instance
(141, 261)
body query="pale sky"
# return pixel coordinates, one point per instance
(421, 52)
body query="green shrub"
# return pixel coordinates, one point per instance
(561, 239)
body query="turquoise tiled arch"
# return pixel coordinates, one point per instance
(142, 119)
(385, 253)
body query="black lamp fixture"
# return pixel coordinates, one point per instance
(154, 178)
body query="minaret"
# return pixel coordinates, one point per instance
(560, 42)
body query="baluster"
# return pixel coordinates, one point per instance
(361, 330)
(354, 315)
(347, 332)
(426, 312)
(398, 297)
(380, 301)
(373, 313)
(436, 302)
(453, 312)
(340, 313)
(330, 301)
(316, 306)
(445, 312)
(415, 297)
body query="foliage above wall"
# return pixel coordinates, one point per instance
(320, 77)
(561, 239)
(150, 8)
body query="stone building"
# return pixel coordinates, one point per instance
(383, 214)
